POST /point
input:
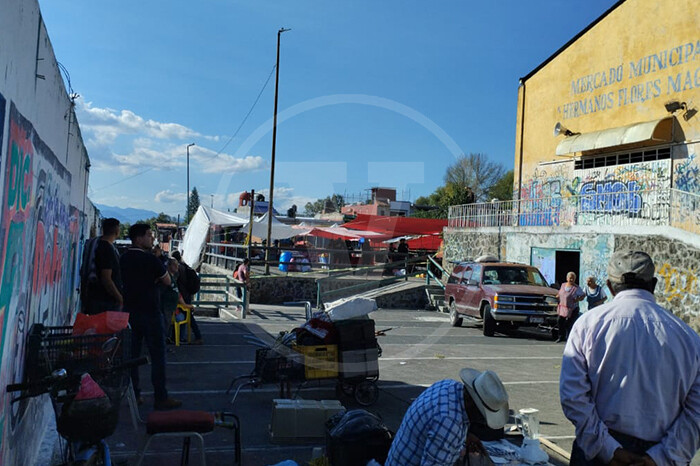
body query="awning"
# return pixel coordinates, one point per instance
(656, 130)
(397, 226)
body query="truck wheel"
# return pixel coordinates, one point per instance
(455, 320)
(489, 322)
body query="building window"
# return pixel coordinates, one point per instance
(623, 158)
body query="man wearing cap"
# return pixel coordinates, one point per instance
(630, 377)
(434, 429)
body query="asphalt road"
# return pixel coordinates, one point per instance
(421, 349)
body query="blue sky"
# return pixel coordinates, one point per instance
(381, 93)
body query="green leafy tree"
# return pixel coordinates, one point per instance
(124, 230)
(329, 204)
(193, 204)
(441, 200)
(503, 189)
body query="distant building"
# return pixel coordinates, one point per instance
(383, 202)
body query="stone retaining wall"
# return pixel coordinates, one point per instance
(280, 289)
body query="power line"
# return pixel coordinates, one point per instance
(252, 107)
(247, 114)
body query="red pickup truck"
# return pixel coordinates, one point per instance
(501, 295)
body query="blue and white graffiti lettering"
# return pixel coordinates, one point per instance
(611, 197)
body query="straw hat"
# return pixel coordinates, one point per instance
(489, 395)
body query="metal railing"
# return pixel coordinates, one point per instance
(602, 204)
(433, 269)
(214, 285)
(312, 259)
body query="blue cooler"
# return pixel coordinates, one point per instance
(286, 256)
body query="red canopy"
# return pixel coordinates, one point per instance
(397, 226)
(430, 242)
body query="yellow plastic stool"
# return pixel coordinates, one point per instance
(188, 321)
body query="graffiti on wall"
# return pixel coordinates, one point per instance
(557, 197)
(678, 282)
(687, 175)
(38, 241)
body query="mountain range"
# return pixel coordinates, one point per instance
(125, 215)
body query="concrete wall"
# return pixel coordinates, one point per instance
(675, 253)
(43, 167)
(621, 71)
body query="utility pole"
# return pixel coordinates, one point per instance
(272, 162)
(187, 210)
(250, 221)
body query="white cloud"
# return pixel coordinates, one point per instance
(209, 161)
(104, 125)
(281, 192)
(285, 197)
(167, 196)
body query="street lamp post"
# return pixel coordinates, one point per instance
(272, 162)
(187, 208)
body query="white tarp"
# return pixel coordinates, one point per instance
(195, 239)
(349, 308)
(279, 230)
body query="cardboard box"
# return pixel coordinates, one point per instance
(301, 419)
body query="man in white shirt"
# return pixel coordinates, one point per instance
(630, 376)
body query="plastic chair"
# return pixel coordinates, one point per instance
(177, 324)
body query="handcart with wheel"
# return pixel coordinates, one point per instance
(352, 362)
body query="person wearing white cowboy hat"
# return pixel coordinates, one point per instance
(434, 428)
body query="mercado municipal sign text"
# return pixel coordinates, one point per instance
(598, 91)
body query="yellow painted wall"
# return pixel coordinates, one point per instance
(615, 62)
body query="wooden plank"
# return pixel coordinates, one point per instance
(555, 448)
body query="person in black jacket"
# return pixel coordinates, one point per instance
(143, 275)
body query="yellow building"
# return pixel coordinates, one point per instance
(607, 157)
(625, 93)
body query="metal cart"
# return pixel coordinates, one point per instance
(355, 371)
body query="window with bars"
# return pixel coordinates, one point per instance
(622, 158)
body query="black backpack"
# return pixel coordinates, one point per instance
(192, 281)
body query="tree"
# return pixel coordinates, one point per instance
(472, 178)
(475, 171)
(124, 230)
(442, 199)
(329, 204)
(503, 189)
(193, 205)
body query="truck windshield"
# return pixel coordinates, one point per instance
(513, 276)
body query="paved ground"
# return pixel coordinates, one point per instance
(421, 349)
